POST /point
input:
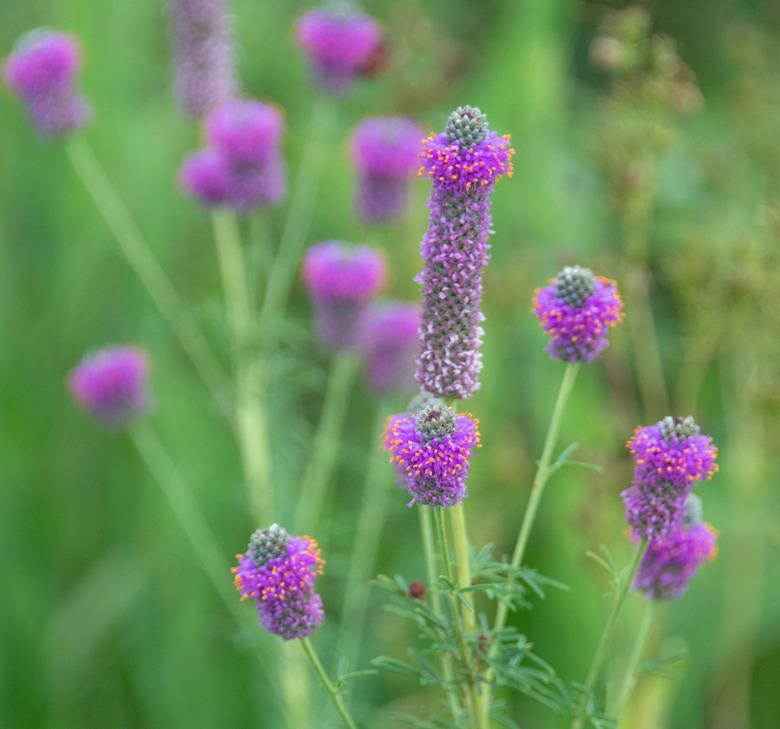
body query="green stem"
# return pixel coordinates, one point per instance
(460, 541)
(630, 677)
(250, 414)
(143, 262)
(599, 655)
(366, 543)
(445, 659)
(299, 215)
(335, 693)
(325, 449)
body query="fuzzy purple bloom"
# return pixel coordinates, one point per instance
(385, 151)
(207, 176)
(203, 59)
(42, 71)
(670, 563)
(278, 572)
(654, 507)
(387, 342)
(463, 164)
(339, 46)
(112, 384)
(432, 450)
(577, 310)
(342, 278)
(245, 131)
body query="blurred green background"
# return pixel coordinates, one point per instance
(106, 619)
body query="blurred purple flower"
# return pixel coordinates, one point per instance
(42, 71)
(385, 151)
(342, 278)
(463, 164)
(112, 384)
(203, 54)
(245, 131)
(278, 572)
(577, 310)
(388, 342)
(339, 45)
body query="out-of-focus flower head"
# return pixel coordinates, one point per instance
(42, 71)
(245, 131)
(112, 384)
(577, 310)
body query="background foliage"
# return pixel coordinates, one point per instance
(105, 619)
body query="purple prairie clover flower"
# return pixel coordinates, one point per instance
(387, 341)
(463, 163)
(207, 176)
(42, 71)
(577, 310)
(245, 131)
(340, 45)
(670, 563)
(654, 507)
(385, 151)
(431, 449)
(112, 384)
(203, 54)
(342, 279)
(278, 572)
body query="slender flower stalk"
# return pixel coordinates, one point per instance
(251, 420)
(333, 691)
(139, 256)
(600, 654)
(460, 542)
(630, 675)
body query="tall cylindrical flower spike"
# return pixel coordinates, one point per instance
(670, 457)
(577, 310)
(431, 449)
(670, 563)
(385, 151)
(463, 163)
(342, 278)
(112, 384)
(388, 342)
(340, 42)
(278, 572)
(203, 55)
(42, 71)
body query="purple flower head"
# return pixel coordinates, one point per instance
(278, 572)
(385, 151)
(245, 131)
(674, 450)
(203, 54)
(339, 45)
(255, 187)
(207, 176)
(342, 278)
(112, 384)
(655, 508)
(42, 71)
(432, 450)
(387, 341)
(670, 563)
(463, 164)
(577, 310)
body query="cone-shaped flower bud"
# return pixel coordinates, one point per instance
(576, 310)
(463, 168)
(278, 572)
(431, 450)
(112, 384)
(385, 151)
(203, 55)
(340, 43)
(342, 279)
(42, 71)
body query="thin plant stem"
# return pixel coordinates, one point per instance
(325, 449)
(460, 542)
(299, 215)
(606, 635)
(470, 692)
(366, 543)
(631, 675)
(139, 256)
(429, 550)
(332, 689)
(251, 420)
